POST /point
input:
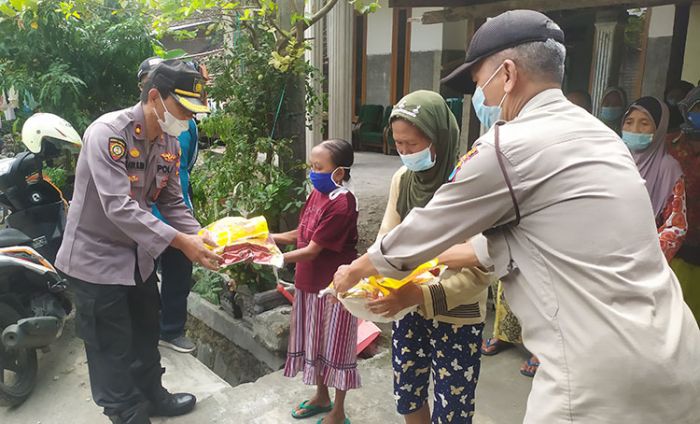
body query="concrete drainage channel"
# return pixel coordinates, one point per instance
(238, 350)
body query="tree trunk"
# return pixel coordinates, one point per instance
(292, 120)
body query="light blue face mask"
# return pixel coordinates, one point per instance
(637, 142)
(419, 161)
(488, 115)
(611, 113)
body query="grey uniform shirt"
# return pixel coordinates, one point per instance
(110, 227)
(583, 271)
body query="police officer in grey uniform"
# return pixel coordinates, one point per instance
(130, 161)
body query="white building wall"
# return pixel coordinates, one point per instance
(428, 44)
(379, 31)
(691, 61)
(379, 28)
(658, 54)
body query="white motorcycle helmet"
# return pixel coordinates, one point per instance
(48, 134)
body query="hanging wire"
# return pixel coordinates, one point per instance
(279, 108)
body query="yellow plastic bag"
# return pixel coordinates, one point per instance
(416, 276)
(357, 298)
(227, 231)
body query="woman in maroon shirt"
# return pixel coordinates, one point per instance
(323, 335)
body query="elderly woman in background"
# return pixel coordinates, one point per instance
(644, 127)
(612, 105)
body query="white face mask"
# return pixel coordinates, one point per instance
(170, 124)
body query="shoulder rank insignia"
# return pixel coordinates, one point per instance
(137, 129)
(168, 157)
(133, 178)
(134, 153)
(470, 154)
(117, 148)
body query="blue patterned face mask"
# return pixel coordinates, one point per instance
(488, 115)
(419, 161)
(637, 142)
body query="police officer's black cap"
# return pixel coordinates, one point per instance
(183, 82)
(147, 66)
(505, 31)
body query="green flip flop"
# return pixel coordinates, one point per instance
(311, 410)
(347, 421)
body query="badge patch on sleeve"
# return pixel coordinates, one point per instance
(470, 154)
(168, 157)
(117, 148)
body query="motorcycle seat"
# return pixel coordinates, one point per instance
(12, 237)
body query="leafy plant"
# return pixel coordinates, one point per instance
(58, 176)
(253, 176)
(77, 60)
(258, 277)
(209, 284)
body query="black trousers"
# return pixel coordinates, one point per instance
(176, 274)
(120, 328)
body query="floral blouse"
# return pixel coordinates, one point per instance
(672, 223)
(680, 149)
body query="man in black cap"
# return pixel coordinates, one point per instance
(128, 163)
(176, 269)
(568, 227)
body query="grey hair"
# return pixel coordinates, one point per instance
(541, 60)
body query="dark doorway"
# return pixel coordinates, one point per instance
(400, 54)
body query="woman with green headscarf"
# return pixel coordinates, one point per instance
(445, 332)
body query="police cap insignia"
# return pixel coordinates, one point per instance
(117, 148)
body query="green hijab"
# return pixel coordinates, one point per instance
(428, 111)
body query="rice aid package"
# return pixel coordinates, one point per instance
(244, 240)
(356, 299)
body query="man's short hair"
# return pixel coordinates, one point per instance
(541, 60)
(147, 85)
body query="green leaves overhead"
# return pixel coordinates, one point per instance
(75, 59)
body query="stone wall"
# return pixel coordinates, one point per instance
(238, 350)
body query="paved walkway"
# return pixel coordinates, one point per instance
(371, 175)
(63, 396)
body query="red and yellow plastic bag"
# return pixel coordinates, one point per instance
(244, 240)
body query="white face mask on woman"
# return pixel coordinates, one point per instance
(170, 124)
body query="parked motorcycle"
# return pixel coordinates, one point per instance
(33, 298)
